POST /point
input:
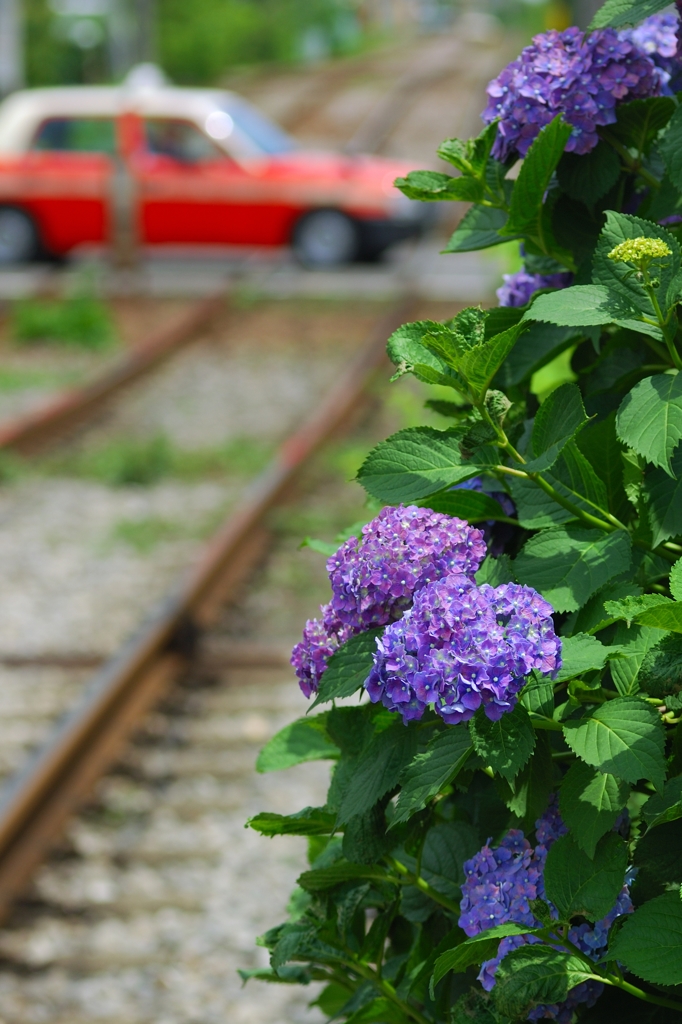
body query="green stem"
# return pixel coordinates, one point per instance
(639, 993)
(407, 878)
(632, 164)
(365, 971)
(663, 323)
(541, 722)
(579, 513)
(505, 444)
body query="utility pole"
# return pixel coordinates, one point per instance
(11, 46)
(145, 30)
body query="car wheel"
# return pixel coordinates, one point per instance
(18, 236)
(326, 238)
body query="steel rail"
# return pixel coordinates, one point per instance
(36, 430)
(36, 803)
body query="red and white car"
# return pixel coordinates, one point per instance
(159, 166)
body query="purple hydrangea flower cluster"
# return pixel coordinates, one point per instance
(519, 287)
(500, 883)
(461, 647)
(580, 76)
(375, 578)
(657, 37)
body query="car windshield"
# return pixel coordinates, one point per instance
(265, 134)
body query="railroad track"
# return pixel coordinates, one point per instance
(42, 427)
(38, 801)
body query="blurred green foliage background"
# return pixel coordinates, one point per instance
(198, 41)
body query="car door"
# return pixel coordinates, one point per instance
(192, 192)
(67, 180)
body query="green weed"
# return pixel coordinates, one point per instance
(145, 461)
(22, 378)
(144, 534)
(81, 321)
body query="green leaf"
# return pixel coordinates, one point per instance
(630, 608)
(590, 801)
(664, 807)
(663, 616)
(534, 783)
(380, 1010)
(568, 565)
(311, 821)
(599, 443)
(624, 737)
(639, 121)
(593, 616)
(589, 176)
(425, 776)
(471, 156)
(320, 879)
(579, 305)
(671, 149)
(476, 950)
(649, 419)
(415, 463)
(559, 419)
(618, 277)
(378, 769)
(480, 363)
(535, 348)
(495, 571)
(446, 847)
(526, 205)
(650, 941)
(635, 643)
(479, 228)
(538, 695)
(660, 673)
(582, 653)
(618, 13)
(576, 884)
(505, 745)
(474, 506)
(536, 974)
(536, 510)
(407, 351)
(675, 580)
(657, 859)
(431, 186)
(574, 478)
(304, 740)
(348, 667)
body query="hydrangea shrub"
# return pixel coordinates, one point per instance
(497, 676)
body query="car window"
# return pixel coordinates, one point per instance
(181, 140)
(265, 134)
(77, 135)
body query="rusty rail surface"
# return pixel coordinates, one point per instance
(38, 429)
(38, 800)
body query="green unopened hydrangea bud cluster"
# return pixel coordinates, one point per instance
(634, 250)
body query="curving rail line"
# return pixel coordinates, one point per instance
(37, 802)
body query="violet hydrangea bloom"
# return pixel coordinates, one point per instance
(375, 578)
(580, 76)
(518, 288)
(461, 647)
(499, 885)
(657, 37)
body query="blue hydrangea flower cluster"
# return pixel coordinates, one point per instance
(518, 288)
(461, 647)
(374, 578)
(499, 885)
(580, 76)
(657, 37)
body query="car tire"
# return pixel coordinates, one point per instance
(326, 238)
(19, 240)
